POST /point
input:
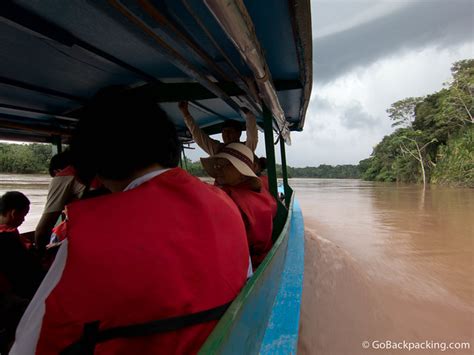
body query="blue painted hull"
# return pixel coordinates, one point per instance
(264, 318)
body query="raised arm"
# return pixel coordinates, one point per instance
(209, 145)
(252, 131)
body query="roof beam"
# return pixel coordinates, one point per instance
(26, 19)
(175, 92)
(29, 126)
(19, 136)
(39, 89)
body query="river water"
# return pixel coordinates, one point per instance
(383, 263)
(386, 263)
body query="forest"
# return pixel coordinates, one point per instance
(34, 159)
(434, 137)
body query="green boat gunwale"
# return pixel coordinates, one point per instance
(224, 327)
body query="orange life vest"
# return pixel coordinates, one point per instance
(257, 211)
(170, 247)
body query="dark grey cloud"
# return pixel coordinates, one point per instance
(443, 23)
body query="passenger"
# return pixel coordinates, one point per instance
(20, 271)
(233, 170)
(231, 131)
(18, 267)
(163, 245)
(64, 188)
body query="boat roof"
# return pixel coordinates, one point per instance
(55, 55)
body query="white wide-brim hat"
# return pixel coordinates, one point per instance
(240, 156)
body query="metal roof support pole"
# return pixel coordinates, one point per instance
(185, 160)
(282, 212)
(56, 145)
(269, 148)
(284, 170)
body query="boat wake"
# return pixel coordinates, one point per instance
(342, 307)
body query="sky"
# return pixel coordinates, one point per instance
(366, 56)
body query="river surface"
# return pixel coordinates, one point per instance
(384, 263)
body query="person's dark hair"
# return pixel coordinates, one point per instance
(13, 200)
(60, 161)
(119, 133)
(262, 162)
(233, 124)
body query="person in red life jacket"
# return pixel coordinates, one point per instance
(20, 270)
(231, 131)
(260, 167)
(64, 188)
(233, 170)
(18, 265)
(161, 247)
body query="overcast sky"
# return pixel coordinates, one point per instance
(367, 55)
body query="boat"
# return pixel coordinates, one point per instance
(220, 55)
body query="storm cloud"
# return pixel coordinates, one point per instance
(413, 26)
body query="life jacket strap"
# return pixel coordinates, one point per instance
(92, 336)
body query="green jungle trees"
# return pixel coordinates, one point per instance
(25, 158)
(434, 141)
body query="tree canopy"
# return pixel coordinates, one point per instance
(434, 141)
(25, 158)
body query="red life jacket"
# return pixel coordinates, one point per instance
(8, 229)
(60, 231)
(67, 171)
(266, 190)
(169, 247)
(264, 180)
(27, 244)
(257, 212)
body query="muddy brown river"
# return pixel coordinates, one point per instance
(388, 268)
(386, 264)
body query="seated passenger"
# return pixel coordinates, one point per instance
(233, 170)
(231, 131)
(162, 245)
(20, 271)
(18, 267)
(64, 188)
